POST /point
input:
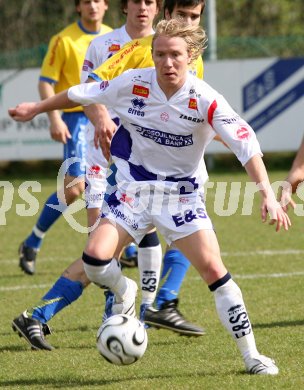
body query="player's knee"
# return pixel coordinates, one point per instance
(73, 192)
(150, 240)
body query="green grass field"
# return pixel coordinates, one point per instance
(268, 266)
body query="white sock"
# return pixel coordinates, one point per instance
(233, 315)
(108, 275)
(149, 265)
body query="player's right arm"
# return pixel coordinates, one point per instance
(50, 74)
(58, 129)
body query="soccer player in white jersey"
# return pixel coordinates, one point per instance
(159, 154)
(69, 287)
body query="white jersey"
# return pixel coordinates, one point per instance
(163, 140)
(100, 50)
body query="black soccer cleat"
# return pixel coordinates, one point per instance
(129, 257)
(33, 331)
(27, 258)
(169, 317)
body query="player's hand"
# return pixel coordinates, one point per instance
(59, 131)
(276, 213)
(285, 196)
(23, 112)
(103, 135)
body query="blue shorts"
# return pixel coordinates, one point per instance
(76, 146)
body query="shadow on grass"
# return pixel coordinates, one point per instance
(77, 382)
(279, 324)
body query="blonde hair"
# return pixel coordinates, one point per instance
(194, 36)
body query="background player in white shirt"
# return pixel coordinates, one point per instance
(61, 69)
(170, 96)
(140, 15)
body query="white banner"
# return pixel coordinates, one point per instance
(268, 93)
(29, 140)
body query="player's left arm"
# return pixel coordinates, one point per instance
(257, 172)
(241, 139)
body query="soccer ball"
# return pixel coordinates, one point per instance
(122, 339)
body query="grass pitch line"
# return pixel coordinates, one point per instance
(235, 276)
(264, 253)
(224, 254)
(270, 276)
(25, 287)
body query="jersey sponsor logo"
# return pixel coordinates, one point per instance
(94, 172)
(149, 281)
(138, 103)
(135, 112)
(95, 169)
(192, 91)
(123, 54)
(191, 118)
(87, 65)
(114, 47)
(188, 216)
(164, 116)
(230, 121)
(163, 138)
(192, 104)
(119, 214)
(183, 200)
(140, 91)
(103, 85)
(238, 317)
(242, 133)
(92, 198)
(127, 199)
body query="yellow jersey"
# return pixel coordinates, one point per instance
(136, 54)
(66, 53)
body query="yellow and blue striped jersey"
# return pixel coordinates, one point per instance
(66, 53)
(135, 54)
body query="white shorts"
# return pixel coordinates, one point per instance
(175, 216)
(96, 172)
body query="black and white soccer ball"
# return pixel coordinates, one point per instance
(122, 339)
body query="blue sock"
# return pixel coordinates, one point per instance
(175, 266)
(62, 294)
(46, 219)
